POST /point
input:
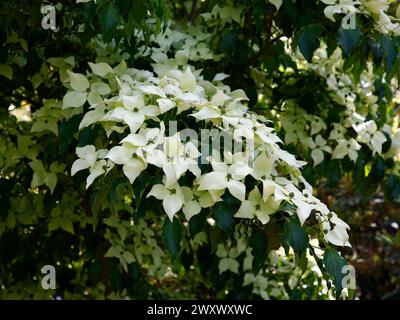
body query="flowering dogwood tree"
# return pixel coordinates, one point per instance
(152, 144)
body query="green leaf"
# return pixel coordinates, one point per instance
(309, 41)
(172, 235)
(228, 43)
(334, 264)
(6, 70)
(392, 187)
(11, 220)
(128, 257)
(197, 223)
(389, 50)
(51, 181)
(224, 216)
(109, 18)
(66, 224)
(349, 39)
(67, 130)
(295, 236)
(259, 244)
(377, 171)
(139, 11)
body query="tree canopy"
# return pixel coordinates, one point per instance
(189, 149)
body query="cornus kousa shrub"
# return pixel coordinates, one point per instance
(169, 149)
(193, 145)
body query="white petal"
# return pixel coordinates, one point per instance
(101, 69)
(206, 113)
(255, 195)
(133, 169)
(88, 153)
(170, 174)
(263, 165)
(213, 181)
(239, 170)
(74, 99)
(340, 151)
(237, 189)
(187, 81)
(79, 165)
(165, 104)
(78, 81)
(135, 140)
(318, 156)
(181, 166)
(172, 204)
(206, 200)
(132, 102)
(190, 209)
(157, 158)
(338, 236)
(276, 3)
(120, 155)
(246, 210)
(219, 98)
(187, 193)
(158, 191)
(303, 211)
(95, 171)
(91, 117)
(262, 216)
(152, 90)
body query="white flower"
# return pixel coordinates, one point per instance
(176, 158)
(335, 230)
(133, 112)
(346, 147)
(368, 133)
(172, 198)
(219, 110)
(317, 153)
(88, 160)
(195, 201)
(132, 166)
(227, 175)
(228, 259)
(255, 206)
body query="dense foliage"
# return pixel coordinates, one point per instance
(106, 167)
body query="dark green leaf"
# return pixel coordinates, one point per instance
(224, 216)
(109, 18)
(389, 50)
(392, 187)
(295, 236)
(377, 171)
(67, 131)
(139, 11)
(259, 244)
(349, 39)
(334, 264)
(172, 235)
(197, 223)
(309, 41)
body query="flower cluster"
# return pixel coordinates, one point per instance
(377, 9)
(137, 106)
